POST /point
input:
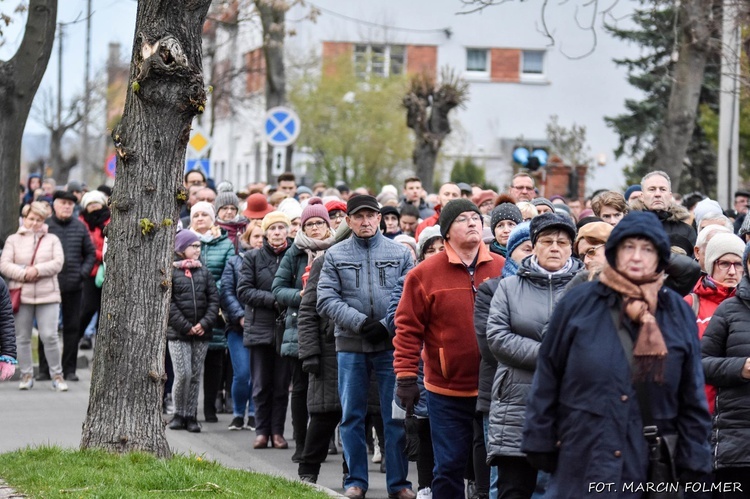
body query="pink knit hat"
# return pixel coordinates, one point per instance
(315, 208)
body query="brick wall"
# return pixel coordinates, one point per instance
(421, 58)
(333, 52)
(505, 65)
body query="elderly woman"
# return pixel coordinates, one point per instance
(31, 260)
(583, 420)
(519, 312)
(589, 245)
(311, 241)
(726, 362)
(270, 372)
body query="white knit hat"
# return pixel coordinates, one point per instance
(722, 244)
(291, 208)
(93, 197)
(203, 207)
(704, 207)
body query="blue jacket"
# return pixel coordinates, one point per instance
(583, 405)
(231, 307)
(355, 284)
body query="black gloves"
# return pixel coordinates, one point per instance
(311, 365)
(374, 331)
(544, 461)
(407, 392)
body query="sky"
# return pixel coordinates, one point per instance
(111, 21)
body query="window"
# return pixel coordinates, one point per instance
(532, 62)
(379, 60)
(476, 60)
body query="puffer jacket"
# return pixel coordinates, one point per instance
(214, 256)
(355, 284)
(488, 364)
(317, 338)
(7, 324)
(519, 312)
(725, 348)
(195, 299)
(231, 307)
(254, 291)
(97, 238)
(286, 288)
(49, 260)
(79, 251)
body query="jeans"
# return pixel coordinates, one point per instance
(452, 428)
(242, 383)
(354, 378)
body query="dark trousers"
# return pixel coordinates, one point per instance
(516, 478)
(322, 427)
(481, 469)
(91, 302)
(213, 371)
(70, 308)
(452, 429)
(300, 382)
(271, 376)
(426, 457)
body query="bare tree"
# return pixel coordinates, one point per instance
(166, 91)
(43, 112)
(427, 106)
(19, 80)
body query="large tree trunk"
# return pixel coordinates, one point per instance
(165, 93)
(677, 129)
(19, 81)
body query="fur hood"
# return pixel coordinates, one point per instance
(677, 212)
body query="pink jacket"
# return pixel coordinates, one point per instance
(49, 260)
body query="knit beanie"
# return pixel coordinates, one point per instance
(551, 220)
(183, 239)
(520, 234)
(594, 233)
(630, 190)
(335, 205)
(272, 218)
(226, 198)
(427, 235)
(720, 245)
(203, 207)
(544, 201)
(390, 210)
(705, 207)
(301, 189)
(314, 209)
(505, 211)
(291, 208)
(93, 197)
(453, 209)
(404, 239)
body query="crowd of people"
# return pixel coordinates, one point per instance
(513, 345)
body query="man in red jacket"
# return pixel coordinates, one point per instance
(437, 310)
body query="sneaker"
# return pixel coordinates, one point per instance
(425, 493)
(27, 381)
(377, 456)
(308, 478)
(250, 423)
(59, 384)
(236, 424)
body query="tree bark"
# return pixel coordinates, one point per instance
(19, 80)
(677, 129)
(165, 92)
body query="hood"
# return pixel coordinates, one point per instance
(708, 289)
(674, 213)
(643, 224)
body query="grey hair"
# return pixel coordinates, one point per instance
(708, 232)
(715, 215)
(661, 174)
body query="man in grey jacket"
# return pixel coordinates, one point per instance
(354, 290)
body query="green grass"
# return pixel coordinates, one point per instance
(47, 472)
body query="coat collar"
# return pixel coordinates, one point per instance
(483, 255)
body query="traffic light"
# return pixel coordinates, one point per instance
(530, 160)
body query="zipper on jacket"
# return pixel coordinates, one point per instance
(382, 276)
(369, 279)
(195, 303)
(549, 296)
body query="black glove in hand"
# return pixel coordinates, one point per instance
(544, 461)
(407, 392)
(374, 331)
(311, 365)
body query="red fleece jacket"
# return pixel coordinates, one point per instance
(437, 310)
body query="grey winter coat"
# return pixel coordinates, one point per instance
(519, 312)
(488, 364)
(355, 284)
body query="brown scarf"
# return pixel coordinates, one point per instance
(640, 299)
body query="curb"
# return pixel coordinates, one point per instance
(6, 492)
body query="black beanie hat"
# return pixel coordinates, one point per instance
(454, 208)
(505, 211)
(640, 224)
(551, 220)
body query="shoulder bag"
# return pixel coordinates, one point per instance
(15, 293)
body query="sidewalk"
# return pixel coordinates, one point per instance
(44, 417)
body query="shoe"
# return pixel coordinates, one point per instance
(332, 449)
(168, 404)
(279, 442)
(297, 456)
(211, 418)
(192, 425)
(377, 456)
(250, 423)
(471, 488)
(85, 344)
(308, 478)
(404, 494)
(43, 377)
(425, 493)
(59, 384)
(261, 442)
(177, 423)
(71, 377)
(382, 466)
(236, 424)
(355, 493)
(27, 381)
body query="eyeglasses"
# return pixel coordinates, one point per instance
(310, 225)
(591, 252)
(562, 243)
(725, 265)
(337, 216)
(195, 246)
(229, 207)
(473, 219)
(522, 188)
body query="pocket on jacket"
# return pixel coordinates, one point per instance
(498, 383)
(388, 272)
(349, 272)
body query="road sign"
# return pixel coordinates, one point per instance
(281, 126)
(200, 141)
(203, 165)
(109, 167)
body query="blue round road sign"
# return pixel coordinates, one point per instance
(281, 127)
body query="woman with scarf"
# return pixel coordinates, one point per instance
(583, 420)
(312, 240)
(518, 248)
(228, 217)
(270, 372)
(95, 216)
(519, 312)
